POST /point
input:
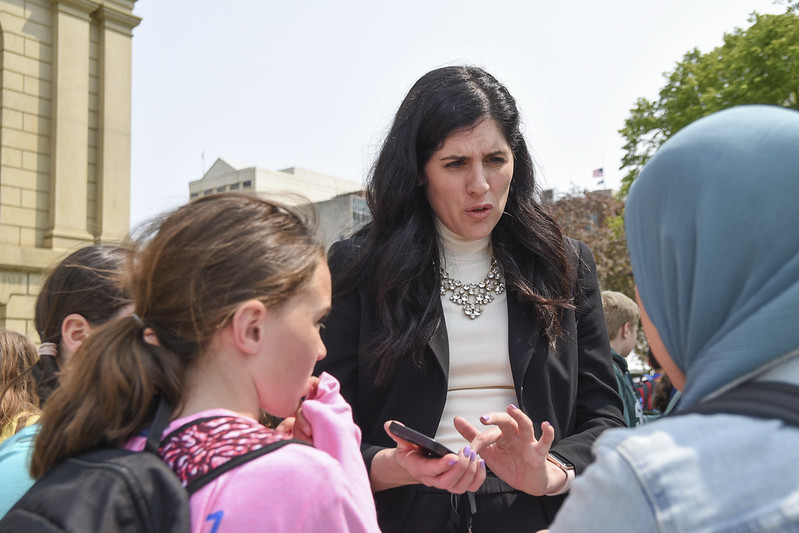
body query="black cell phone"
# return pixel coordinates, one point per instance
(428, 445)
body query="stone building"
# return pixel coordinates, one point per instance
(65, 77)
(339, 203)
(341, 216)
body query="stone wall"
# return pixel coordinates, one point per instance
(65, 68)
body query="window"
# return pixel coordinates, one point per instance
(234, 186)
(220, 189)
(360, 212)
(247, 184)
(195, 194)
(208, 191)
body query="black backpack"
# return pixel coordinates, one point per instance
(116, 490)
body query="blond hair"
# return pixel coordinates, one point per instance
(619, 309)
(18, 397)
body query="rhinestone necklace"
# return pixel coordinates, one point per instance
(473, 296)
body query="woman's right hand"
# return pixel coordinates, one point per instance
(407, 465)
(513, 453)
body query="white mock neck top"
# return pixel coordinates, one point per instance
(480, 379)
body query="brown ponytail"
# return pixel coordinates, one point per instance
(108, 395)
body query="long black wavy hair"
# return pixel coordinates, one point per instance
(399, 250)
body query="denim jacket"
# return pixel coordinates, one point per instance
(691, 473)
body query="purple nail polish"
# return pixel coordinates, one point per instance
(473, 457)
(482, 464)
(467, 451)
(513, 407)
(452, 462)
(485, 418)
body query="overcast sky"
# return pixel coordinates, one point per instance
(314, 84)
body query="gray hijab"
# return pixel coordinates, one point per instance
(712, 226)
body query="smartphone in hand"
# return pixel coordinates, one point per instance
(427, 445)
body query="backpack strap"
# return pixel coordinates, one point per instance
(204, 449)
(160, 422)
(757, 399)
(199, 482)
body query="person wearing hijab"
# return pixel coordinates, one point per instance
(712, 232)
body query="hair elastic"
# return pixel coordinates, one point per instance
(48, 348)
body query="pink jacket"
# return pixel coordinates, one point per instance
(296, 488)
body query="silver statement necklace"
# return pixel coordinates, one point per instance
(473, 297)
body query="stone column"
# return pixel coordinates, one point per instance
(113, 172)
(70, 119)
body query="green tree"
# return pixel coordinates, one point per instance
(595, 217)
(757, 65)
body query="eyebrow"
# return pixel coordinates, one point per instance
(495, 152)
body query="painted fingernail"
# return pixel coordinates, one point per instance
(467, 451)
(485, 418)
(545, 424)
(473, 457)
(452, 462)
(513, 407)
(482, 464)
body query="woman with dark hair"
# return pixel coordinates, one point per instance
(423, 329)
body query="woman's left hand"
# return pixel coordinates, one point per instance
(512, 452)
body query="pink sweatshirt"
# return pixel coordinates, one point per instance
(296, 488)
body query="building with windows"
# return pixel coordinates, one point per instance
(65, 77)
(339, 203)
(340, 217)
(225, 175)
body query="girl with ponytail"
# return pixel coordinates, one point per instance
(78, 295)
(229, 293)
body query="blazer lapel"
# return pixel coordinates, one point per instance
(523, 333)
(439, 343)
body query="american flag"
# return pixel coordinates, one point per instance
(598, 173)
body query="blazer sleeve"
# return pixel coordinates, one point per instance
(597, 403)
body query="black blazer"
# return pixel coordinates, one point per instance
(572, 385)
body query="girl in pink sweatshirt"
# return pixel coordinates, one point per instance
(229, 295)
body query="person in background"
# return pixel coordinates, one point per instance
(646, 384)
(78, 295)
(463, 295)
(665, 397)
(19, 405)
(622, 317)
(717, 276)
(229, 294)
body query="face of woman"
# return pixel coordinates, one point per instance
(659, 350)
(292, 345)
(468, 178)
